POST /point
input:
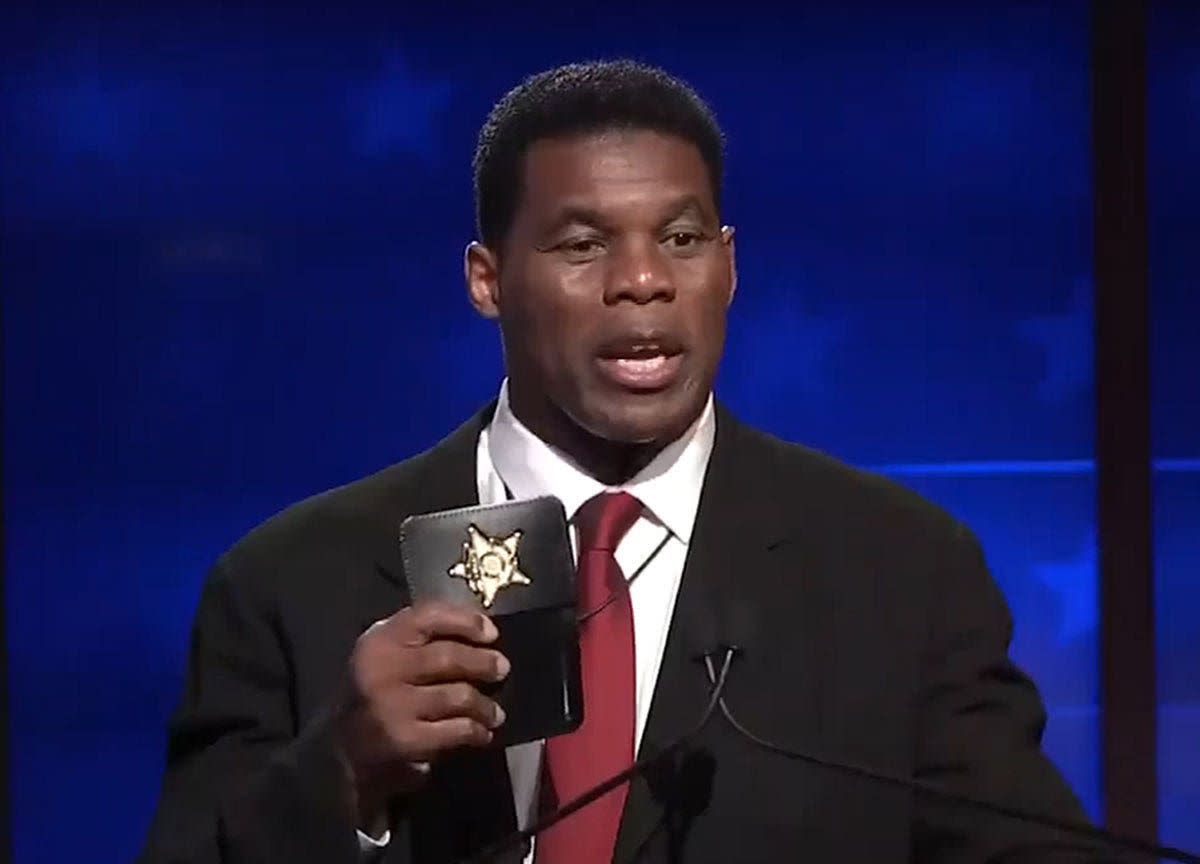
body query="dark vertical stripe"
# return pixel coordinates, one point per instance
(1123, 416)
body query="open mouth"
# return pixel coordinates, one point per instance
(641, 364)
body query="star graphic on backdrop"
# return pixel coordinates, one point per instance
(90, 116)
(1066, 342)
(396, 111)
(812, 341)
(1073, 581)
(798, 344)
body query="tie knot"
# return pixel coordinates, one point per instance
(603, 520)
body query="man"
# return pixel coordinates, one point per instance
(327, 720)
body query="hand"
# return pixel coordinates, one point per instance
(412, 696)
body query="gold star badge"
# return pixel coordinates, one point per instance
(489, 564)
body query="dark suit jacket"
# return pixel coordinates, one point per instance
(872, 633)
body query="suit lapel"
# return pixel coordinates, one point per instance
(736, 525)
(441, 478)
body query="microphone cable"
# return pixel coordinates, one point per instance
(1079, 829)
(717, 678)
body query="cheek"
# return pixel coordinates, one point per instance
(546, 317)
(566, 301)
(709, 313)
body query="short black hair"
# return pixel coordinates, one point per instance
(579, 99)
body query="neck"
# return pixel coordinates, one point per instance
(613, 463)
(610, 462)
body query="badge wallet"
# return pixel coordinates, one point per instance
(513, 562)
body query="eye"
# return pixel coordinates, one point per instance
(581, 249)
(582, 246)
(683, 241)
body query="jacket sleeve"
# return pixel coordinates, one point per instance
(980, 723)
(242, 783)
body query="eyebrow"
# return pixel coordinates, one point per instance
(685, 204)
(575, 214)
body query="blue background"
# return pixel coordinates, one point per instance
(232, 278)
(1173, 181)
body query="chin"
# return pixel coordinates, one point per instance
(647, 419)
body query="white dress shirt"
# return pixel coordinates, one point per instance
(509, 454)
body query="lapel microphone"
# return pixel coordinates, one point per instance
(728, 637)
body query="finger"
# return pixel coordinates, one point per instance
(445, 661)
(426, 622)
(439, 736)
(444, 701)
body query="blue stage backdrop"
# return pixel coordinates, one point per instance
(232, 278)
(1173, 154)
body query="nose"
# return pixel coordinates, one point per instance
(640, 274)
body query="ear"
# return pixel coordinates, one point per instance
(481, 268)
(727, 232)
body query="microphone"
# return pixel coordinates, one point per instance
(705, 643)
(719, 672)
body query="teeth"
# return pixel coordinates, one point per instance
(641, 364)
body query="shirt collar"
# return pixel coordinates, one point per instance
(669, 486)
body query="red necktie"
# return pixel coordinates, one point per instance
(603, 745)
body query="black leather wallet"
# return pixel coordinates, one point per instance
(513, 562)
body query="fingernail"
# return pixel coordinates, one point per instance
(489, 629)
(499, 717)
(503, 667)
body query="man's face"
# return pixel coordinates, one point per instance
(612, 286)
